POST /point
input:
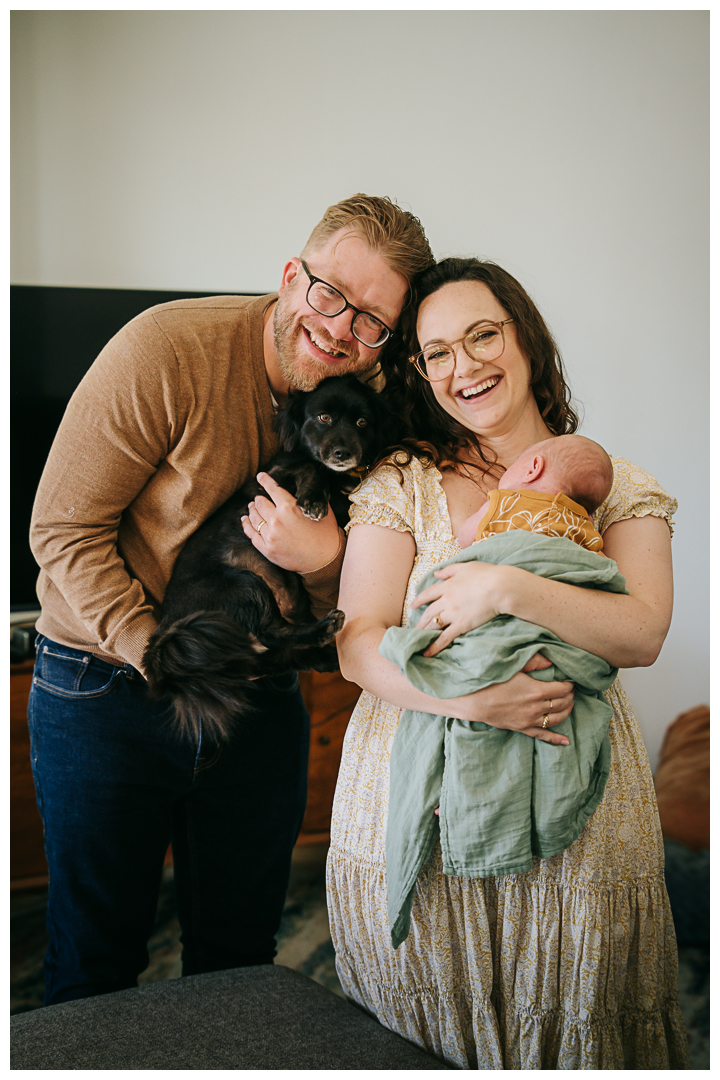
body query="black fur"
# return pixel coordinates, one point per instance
(229, 615)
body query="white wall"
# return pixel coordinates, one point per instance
(196, 150)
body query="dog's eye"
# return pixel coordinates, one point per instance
(362, 422)
(324, 418)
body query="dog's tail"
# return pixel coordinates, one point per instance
(204, 662)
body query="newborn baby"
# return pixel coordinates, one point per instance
(552, 488)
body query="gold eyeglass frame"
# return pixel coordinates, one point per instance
(415, 359)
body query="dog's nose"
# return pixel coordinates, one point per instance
(341, 453)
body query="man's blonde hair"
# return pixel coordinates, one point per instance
(394, 233)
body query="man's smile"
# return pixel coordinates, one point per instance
(325, 348)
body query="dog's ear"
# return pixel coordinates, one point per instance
(290, 420)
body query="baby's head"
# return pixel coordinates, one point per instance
(569, 464)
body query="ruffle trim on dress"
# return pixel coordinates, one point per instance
(377, 515)
(482, 1034)
(496, 975)
(630, 1039)
(648, 511)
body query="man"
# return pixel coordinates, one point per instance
(174, 415)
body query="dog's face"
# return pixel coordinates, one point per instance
(341, 423)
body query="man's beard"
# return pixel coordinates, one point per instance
(301, 370)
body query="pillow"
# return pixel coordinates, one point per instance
(682, 779)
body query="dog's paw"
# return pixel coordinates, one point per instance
(314, 510)
(333, 624)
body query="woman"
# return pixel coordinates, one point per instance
(572, 965)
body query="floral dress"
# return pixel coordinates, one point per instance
(572, 965)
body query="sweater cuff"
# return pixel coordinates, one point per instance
(132, 640)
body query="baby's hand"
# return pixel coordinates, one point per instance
(468, 529)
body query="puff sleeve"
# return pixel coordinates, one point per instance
(635, 493)
(386, 497)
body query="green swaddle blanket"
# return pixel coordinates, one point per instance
(504, 797)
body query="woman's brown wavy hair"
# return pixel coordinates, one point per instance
(427, 430)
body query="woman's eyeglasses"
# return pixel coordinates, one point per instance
(483, 343)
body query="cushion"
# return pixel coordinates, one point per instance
(265, 1017)
(682, 779)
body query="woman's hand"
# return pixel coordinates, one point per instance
(466, 595)
(625, 630)
(522, 703)
(288, 538)
(374, 579)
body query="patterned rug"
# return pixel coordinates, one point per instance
(303, 940)
(303, 944)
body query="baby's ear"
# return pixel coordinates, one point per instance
(536, 467)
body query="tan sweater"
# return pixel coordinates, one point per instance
(174, 415)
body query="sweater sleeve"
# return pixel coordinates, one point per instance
(118, 427)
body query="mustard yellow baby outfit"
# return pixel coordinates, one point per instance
(538, 511)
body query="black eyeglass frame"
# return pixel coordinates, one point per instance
(346, 304)
(416, 358)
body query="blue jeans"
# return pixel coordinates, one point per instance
(115, 785)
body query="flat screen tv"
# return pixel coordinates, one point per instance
(55, 334)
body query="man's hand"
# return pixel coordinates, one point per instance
(288, 538)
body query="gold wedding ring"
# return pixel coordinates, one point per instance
(258, 527)
(545, 720)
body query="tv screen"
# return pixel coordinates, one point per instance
(55, 334)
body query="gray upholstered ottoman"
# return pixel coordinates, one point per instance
(266, 1017)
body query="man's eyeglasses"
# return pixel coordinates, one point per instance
(483, 343)
(326, 300)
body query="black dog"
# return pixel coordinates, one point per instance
(229, 615)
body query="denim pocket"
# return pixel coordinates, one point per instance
(70, 673)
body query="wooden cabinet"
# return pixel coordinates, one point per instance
(27, 852)
(329, 698)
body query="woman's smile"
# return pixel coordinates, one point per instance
(479, 389)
